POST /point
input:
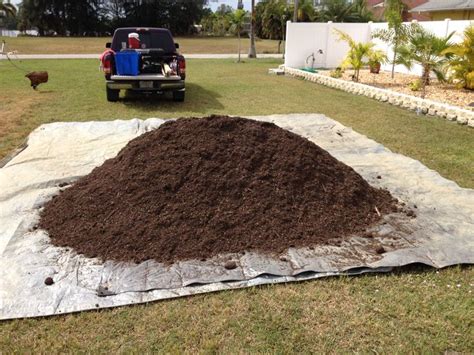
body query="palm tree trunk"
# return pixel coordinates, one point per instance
(238, 36)
(425, 80)
(252, 50)
(295, 12)
(393, 60)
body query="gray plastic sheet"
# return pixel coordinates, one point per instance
(442, 234)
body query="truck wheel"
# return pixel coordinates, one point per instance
(178, 96)
(112, 95)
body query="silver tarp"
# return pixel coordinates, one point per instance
(442, 234)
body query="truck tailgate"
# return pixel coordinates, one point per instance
(146, 77)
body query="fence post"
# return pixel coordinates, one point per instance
(447, 20)
(287, 52)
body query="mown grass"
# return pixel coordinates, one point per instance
(414, 310)
(88, 45)
(76, 92)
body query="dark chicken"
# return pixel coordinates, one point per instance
(37, 77)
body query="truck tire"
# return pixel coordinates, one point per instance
(178, 96)
(112, 95)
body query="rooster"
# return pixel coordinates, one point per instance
(37, 77)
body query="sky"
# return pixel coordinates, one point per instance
(214, 4)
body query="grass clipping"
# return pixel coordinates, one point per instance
(198, 187)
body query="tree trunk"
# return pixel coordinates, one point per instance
(252, 50)
(284, 36)
(279, 46)
(238, 54)
(295, 12)
(425, 80)
(394, 58)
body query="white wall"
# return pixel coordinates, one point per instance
(303, 39)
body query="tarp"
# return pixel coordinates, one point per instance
(442, 233)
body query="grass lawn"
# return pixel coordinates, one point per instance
(88, 45)
(410, 310)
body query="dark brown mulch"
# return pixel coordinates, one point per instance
(198, 187)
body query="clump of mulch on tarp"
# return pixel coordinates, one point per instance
(198, 187)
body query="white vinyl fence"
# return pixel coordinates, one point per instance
(15, 33)
(305, 40)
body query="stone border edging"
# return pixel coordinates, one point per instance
(413, 103)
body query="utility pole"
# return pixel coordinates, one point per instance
(295, 11)
(252, 50)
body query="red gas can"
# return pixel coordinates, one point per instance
(133, 41)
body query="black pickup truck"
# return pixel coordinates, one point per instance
(160, 67)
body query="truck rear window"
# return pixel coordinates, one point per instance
(152, 39)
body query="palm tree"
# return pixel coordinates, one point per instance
(462, 63)
(274, 17)
(7, 8)
(237, 19)
(428, 50)
(306, 11)
(336, 11)
(359, 53)
(252, 49)
(397, 31)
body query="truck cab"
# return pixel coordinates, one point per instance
(143, 60)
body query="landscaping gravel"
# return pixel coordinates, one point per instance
(436, 91)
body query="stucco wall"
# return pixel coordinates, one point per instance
(453, 15)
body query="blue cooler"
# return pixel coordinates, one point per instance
(127, 63)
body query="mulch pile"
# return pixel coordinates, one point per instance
(198, 187)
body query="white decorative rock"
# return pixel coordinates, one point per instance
(414, 103)
(462, 119)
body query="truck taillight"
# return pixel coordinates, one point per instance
(182, 67)
(107, 64)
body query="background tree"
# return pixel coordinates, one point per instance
(462, 63)
(238, 19)
(93, 17)
(336, 11)
(428, 50)
(273, 19)
(360, 12)
(252, 49)
(306, 12)
(8, 14)
(7, 9)
(397, 32)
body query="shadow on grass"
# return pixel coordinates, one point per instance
(198, 99)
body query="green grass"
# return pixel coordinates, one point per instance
(80, 45)
(76, 92)
(414, 310)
